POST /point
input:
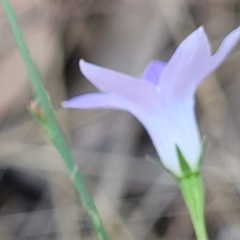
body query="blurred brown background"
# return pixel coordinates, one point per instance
(136, 199)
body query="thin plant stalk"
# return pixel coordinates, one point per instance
(42, 109)
(192, 191)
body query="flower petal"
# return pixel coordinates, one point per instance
(175, 125)
(102, 100)
(152, 71)
(225, 48)
(95, 100)
(123, 85)
(181, 75)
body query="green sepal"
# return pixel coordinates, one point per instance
(186, 169)
(200, 160)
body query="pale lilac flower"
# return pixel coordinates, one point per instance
(163, 100)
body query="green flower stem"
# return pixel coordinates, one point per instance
(43, 111)
(192, 191)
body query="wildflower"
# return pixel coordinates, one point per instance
(163, 100)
